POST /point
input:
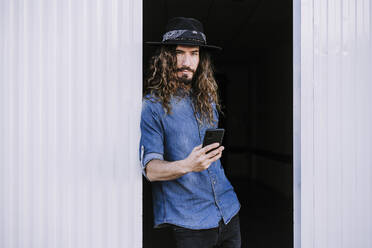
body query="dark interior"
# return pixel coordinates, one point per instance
(254, 74)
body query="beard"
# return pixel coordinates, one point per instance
(184, 79)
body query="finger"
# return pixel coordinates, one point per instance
(215, 158)
(210, 147)
(214, 152)
(198, 147)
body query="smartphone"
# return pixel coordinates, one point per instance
(213, 135)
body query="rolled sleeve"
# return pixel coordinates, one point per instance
(152, 136)
(150, 157)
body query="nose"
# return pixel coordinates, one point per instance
(186, 60)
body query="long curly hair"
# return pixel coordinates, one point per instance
(162, 83)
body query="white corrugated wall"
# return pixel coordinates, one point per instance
(335, 121)
(70, 99)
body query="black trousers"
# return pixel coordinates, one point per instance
(224, 236)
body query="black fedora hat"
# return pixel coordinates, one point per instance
(184, 31)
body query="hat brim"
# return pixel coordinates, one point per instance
(156, 43)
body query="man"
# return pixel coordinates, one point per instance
(191, 193)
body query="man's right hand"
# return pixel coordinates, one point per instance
(199, 159)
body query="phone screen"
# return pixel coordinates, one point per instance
(213, 136)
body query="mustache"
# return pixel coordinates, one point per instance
(185, 68)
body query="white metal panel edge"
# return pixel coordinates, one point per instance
(335, 122)
(70, 102)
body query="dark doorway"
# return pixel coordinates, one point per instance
(254, 74)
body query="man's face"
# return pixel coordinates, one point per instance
(187, 62)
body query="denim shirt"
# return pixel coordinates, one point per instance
(197, 200)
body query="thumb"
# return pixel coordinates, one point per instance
(198, 147)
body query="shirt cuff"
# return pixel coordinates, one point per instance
(145, 159)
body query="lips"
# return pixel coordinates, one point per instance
(185, 70)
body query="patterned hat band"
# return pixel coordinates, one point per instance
(185, 35)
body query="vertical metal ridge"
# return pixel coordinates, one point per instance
(297, 123)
